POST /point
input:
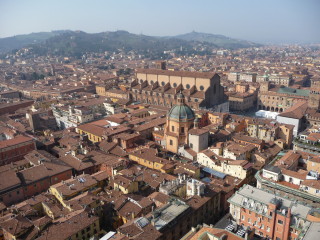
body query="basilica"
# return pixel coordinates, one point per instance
(160, 87)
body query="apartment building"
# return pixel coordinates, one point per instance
(271, 216)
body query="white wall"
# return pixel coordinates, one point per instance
(292, 121)
(295, 181)
(270, 175)
(232, 170)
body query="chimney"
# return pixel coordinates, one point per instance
(196, 123)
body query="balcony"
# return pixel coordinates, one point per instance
(286, 189)
(305, 145)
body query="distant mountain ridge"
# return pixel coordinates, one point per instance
(19, 41)
(218, 40)
(76, 43)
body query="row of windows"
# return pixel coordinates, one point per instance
(169, 96)
(255, 223)
(277, 98)
(174, 85)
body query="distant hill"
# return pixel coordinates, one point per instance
(16, 42)
(77, 43)
(218, 40)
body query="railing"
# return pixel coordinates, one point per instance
(307, 146)
(286, 189)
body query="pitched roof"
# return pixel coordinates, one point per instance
(8, 179)
(177, 73)
(15, 226)
(14, 141)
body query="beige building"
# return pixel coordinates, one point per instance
(248, 77)
(112, 93)
(311, 186)
(233, 76)
(279, 99)
(234, 168)
(313, 164)
(198, 137)
(270, 131)
(242, 101)
(277, 79)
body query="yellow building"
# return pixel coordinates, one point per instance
(148, 158)
(101, 90)
(84, 226)
(111, 93)
(68, 189)
(93, 132)
(217, 118)
(125, 184)
(313, 164)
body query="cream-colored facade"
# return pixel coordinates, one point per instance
(311, 186)
(232, 168)
(314, 164)
(164, 77)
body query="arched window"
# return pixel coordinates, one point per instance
(201, 88)
(174, 85)
(188, 86)
(162, 83)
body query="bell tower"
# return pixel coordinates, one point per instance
(314, 99)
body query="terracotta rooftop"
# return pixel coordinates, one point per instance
(17, 140)
(177, 73)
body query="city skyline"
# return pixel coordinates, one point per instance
(295, 21)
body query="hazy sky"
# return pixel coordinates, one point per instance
(255, 20)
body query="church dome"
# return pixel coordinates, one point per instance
(181, 112)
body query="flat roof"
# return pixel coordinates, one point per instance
(294, 91)
(264, 197)
(313, 231)
(214, 172)
(167, 214)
